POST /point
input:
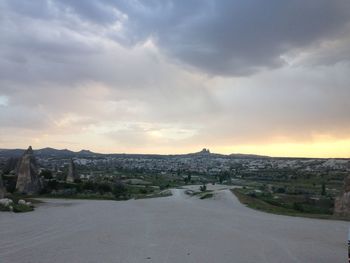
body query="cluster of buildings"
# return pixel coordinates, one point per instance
(201, 163)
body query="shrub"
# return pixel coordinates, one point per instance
(280, 190)
(47, 174)
(207, 195)
(104, 188)
(203, 188)
(89, 186)
(4, 208)
(10, 183)
(323, 191)
(143, 191)
(298, 207)
(119, 189)
(21, 208)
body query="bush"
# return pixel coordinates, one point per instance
(143, 191)
(298, 207)
(207, 195)
(10, 183)
(89, 186)
(203, 188)
(252, 194)
(4, 208)
(119, 189)
(46, 173)
(280, 190)
(21, 208)
(323, 189)
(104, 188)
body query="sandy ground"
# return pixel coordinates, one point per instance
(171, 229)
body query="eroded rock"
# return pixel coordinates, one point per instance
(27, 174)
(342, 203)
(72, 172)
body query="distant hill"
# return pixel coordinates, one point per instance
(65, 153)
(11, 152)
(48, 152)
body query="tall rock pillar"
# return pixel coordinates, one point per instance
(342, 203)
(27, 174)
(72, 172)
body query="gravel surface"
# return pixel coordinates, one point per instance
(172, 229)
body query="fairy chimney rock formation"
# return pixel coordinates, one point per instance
(72, 173)
(342, 203)
(27, 174)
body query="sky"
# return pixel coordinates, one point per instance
(175, 76)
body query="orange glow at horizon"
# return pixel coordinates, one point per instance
(316, 149)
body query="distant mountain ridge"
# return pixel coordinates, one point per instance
(65, 153)
(48, 152)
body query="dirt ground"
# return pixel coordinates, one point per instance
(172, 229)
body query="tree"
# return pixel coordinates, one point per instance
(89, 186)
(203, 188)
(323, 191)
(119, 189)
(46, 173)
(104, 188)
(189, 178)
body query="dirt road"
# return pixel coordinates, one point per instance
(167, 230)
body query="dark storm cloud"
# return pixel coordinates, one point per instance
(238, 37)
(227, 37)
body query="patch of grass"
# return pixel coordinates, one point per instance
(206, 196)
(28, 198)
(201, 193)
(17, 208)
(261, 205)
(164, 193)
(80, 196)
(4, 208)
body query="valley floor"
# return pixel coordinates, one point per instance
(172, 229)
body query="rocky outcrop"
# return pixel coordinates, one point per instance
(72, 173)
(27, 174)
(342, 203)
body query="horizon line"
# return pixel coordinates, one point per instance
(169, 154)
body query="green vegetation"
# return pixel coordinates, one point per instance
(21, 208)
(286, 204)
(203, 193)
(109, 187)
(164, 193)
(203, 188)
(17, 207)
(206, 195)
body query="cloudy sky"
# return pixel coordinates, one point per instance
(174, 76)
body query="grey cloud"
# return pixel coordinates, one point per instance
(218, 37)
(226, 37)
(239, 37)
